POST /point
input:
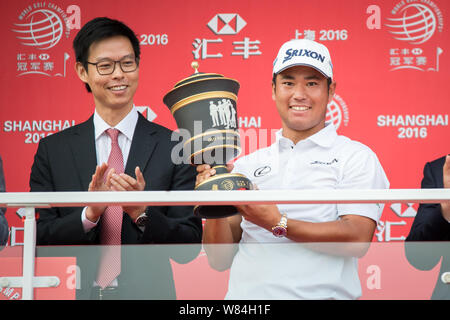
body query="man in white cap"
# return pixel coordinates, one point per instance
(272, 260)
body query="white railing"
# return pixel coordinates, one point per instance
(159, 198)
(33, 200)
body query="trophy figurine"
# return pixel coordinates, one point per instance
(204, 105)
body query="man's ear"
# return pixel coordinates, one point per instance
(274, 89)
(81, 72)
(331, 91)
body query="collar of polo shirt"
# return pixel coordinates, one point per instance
(324, 138)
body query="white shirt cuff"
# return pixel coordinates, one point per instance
(87, 224)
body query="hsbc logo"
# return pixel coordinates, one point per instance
(226, 23)
(404, 210)
(147, 112)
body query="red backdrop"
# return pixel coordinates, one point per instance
(390, 64)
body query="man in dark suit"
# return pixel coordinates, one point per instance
(79, 159)
(4, 232)
(432, 223)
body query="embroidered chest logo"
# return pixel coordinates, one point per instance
(262, 171)
(324, 163)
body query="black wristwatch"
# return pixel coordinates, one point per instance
(141, 220)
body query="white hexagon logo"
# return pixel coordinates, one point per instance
(226, 23)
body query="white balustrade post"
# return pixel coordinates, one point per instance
(29, 253)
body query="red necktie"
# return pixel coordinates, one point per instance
(111, 227)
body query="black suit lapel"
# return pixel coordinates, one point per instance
(83, 148)
(142, 146)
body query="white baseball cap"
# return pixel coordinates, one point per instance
(304, 52)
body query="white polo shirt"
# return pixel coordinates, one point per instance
(282, 268)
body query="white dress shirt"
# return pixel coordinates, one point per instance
(103, 146)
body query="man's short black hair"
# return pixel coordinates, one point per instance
(99, 29)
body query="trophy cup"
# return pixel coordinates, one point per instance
(204, 104)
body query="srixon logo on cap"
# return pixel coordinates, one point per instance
(290, 53)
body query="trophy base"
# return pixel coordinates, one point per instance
(222, 180)
(214, 212)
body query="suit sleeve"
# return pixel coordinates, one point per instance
(3, 222)
(55, 226)
(171, 224)
(175, 224)
(428, 225)
(3, 229)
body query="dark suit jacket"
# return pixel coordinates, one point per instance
(429, 225)
(65, 161)
(3, 222)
